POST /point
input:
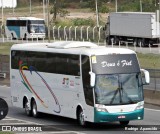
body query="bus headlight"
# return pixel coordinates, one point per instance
(100, 108)
(32, 31)
(140, 105)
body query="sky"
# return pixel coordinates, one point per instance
(8, 3)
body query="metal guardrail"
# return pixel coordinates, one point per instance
(154, 73)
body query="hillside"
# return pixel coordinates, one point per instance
(104, 5)
(78, 12)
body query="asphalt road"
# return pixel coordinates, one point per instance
(69, 126)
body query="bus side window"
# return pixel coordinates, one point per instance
(31, 58)
(41, 60)
(73, 65)
(51, 63)
(62, 64)
(16, 57)
(88, 92)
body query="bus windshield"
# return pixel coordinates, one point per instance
(37, 28)
(118, 89)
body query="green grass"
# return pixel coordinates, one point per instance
(5, 48)
(149, 61)
(6, 133)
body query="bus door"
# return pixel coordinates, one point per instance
(87, 89)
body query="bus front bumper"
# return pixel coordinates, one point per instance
(40, 36)
(111, 117)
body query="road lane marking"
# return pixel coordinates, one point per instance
(61, 132)
(152, 109)
(20, 123)
(5, 86)
(24, 122)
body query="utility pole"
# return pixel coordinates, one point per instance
(159, 11)
(2, 11)
(141, 5)
(116, 5)
(2, 18)
(55, 10)
(44, 10)
(13, 6)
(48, 10)
(97, 15)
(30, 8)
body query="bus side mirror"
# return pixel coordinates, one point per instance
(92, 79)
(147, 77)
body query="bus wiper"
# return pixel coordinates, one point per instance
(130, 100)
(119, 89)
(114, 95)
(120, 92)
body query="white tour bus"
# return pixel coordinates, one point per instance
(78, 80)
(25, 27)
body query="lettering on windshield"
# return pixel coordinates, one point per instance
(121, 63)
(111, 64)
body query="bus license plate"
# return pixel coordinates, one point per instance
(121, 117)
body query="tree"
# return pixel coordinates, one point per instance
(57, 9)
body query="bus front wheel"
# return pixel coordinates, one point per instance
(27, 110)
(124, 123)
(34, 109)
(80, 118)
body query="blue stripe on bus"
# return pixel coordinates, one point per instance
(110, 117)
(15, 29)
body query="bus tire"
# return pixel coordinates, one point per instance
(35, 113)
(135, 42)
(25, 36)
(141, 43)
(80, 118)
(124, 123)
(12, 36)
(26, 107)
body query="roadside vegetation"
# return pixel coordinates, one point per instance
(60, 10)
(5, 48)
(6, 133)
(149, 61)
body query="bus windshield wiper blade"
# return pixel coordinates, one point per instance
(114, 95)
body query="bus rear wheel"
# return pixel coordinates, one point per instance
(80, 118)
(35, 113)
(25, 37)
(27, 110)
(13, 38)
(124, 123)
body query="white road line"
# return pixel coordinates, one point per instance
(23, 123)
(9, 119)
(66, 132)
(29, 122)
(152, 109)
(5, 86)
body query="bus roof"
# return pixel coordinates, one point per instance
(73, 47)
(24, 18)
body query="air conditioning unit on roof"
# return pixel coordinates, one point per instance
(71, 44)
